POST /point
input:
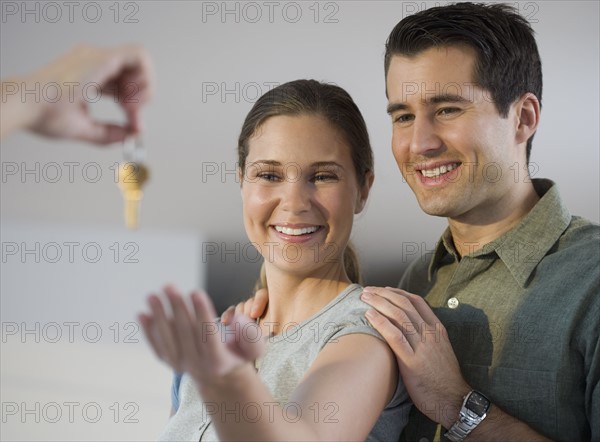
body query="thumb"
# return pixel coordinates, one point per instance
(99, 133)
(259, 305)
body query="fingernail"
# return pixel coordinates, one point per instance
(366, 296)
(370, 314)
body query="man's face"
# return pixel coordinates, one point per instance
(456, 152)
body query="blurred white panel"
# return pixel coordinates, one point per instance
(75, 365)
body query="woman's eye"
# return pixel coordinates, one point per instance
(268, 176)
(325, 177)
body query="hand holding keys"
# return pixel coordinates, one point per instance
(132, 175)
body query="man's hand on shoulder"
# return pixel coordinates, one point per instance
(425, 356)
(253, 307)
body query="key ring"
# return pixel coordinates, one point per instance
(133, 150)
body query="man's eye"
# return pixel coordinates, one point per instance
(448, 111)
(403, 118)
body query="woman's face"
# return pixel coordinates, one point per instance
(300, 193)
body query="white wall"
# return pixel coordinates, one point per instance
(190, 131)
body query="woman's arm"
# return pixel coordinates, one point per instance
(340, 396)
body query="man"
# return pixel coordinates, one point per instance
(514, 280)
(513, 349)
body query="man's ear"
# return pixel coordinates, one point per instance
(528, 117)
(364, 192)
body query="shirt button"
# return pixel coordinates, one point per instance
(452, 302)
(423, 439)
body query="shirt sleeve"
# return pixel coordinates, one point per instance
(175, 391)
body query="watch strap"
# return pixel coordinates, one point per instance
(467, 421)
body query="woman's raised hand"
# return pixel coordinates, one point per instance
(191, 339)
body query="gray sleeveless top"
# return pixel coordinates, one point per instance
(288, 357)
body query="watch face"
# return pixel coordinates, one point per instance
(478, 403)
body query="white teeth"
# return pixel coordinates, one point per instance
(437, 171)
(296, 232)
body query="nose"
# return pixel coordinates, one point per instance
(424, 139)
(295, 197)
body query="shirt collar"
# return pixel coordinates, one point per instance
(523, 247)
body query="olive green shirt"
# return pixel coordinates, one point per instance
(523, 317)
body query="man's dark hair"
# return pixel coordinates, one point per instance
(508, 63)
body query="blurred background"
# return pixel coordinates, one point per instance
(74, 363)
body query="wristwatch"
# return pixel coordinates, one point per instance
(474, 409)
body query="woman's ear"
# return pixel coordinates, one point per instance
(528, 117)
(363, 195)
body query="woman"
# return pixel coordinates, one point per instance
(306, 169)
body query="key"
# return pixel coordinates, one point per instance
(131, 177)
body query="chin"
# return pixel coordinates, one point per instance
(433, 209)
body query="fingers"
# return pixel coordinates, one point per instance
(399, 314)
(395, 306)
(134, 120)
(419, 304)
(253, 307)
(227, 315)
(394, 336)
(392, 322)
(117, 68)
(206, 329)
(191, 341)
(415, 307)
(137, 59)
(148, 327)
(203, 307)
(125, 72)
(247, 307)
(103, 134)
(249, 343)
(161, 334)
(184, 329)
(239, 309)
(130, 79)
(259, 305)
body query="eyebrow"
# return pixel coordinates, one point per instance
(318, 164)
(266, 162)
(437, 99)
(325, 164)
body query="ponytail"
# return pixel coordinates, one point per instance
(261, 283)
(351, 264)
